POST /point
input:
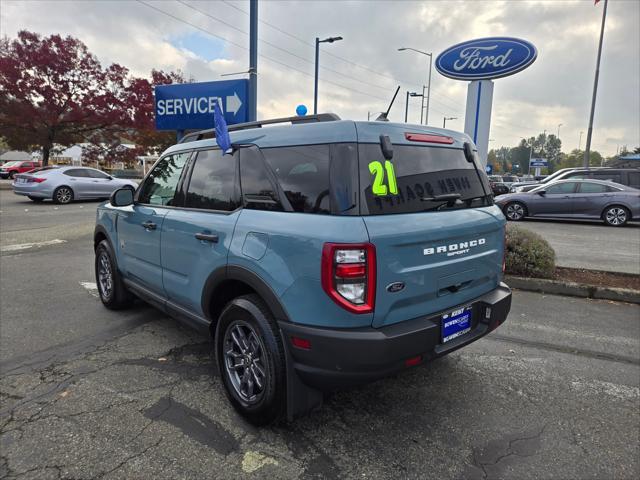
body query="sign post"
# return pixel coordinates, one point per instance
(478, 61)
(190, 106)
(538, 163)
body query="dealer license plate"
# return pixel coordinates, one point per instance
(456, 323)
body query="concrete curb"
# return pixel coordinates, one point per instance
(5, 185)
(555, 287)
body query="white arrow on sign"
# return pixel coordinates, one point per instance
(233, 103)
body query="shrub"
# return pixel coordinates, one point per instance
(528, 254)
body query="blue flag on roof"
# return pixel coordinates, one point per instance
(222, 132)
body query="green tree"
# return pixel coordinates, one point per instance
(576, 159)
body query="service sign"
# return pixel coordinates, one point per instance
(538, 162)
(486, 58)
(189, 106)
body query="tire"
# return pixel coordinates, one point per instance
(248, 334)
(515, 211)
(36, 199)
(63, 195)
(615, 216)
(111, 289)
(12, 175)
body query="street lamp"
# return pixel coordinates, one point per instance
(430, 55)
(444, 121)
(559, 125)
(315, 90)
(406, 107)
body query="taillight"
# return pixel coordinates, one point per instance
(349, 275)
(36, 180)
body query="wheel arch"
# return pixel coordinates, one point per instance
(226, 283)
(63, 185)
(100, 234)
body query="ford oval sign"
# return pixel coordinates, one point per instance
(486, 58)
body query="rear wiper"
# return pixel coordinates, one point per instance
(448, 199)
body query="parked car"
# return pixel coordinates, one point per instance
(497, 186)
(11, 169)
(321, 254)
(509, 180)
(65, 184)
(613, 203)
(624, 176)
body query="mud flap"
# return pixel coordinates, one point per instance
(301, 399)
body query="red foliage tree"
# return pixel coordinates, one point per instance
(54, 91)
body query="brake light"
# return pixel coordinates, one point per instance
(428, 138)
(36, 180)
(348, 274)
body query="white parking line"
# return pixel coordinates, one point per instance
(26, 246)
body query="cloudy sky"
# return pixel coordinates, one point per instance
(358, 75)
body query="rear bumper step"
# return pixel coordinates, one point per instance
(340, 358)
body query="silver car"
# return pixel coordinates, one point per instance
(613, 203)
(65, 184)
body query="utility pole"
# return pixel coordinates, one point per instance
(253, 60)
(595, 88)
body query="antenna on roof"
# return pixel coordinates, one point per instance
(383, 117)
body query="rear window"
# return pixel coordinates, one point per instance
(416, 178)
(634, 179)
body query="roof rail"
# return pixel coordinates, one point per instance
(321, 117)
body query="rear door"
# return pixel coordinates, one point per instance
(102, 184)
(196, 236)
(80, 182)
(591, 198)
(431, 255)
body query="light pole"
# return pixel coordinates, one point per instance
(406, 106)
(559, 125)
(430, 55)
(315, 90)
(444, 121)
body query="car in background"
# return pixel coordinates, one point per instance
(11, 169)
(497, 185)
(509, 180)
(625, 176)
(65, 184)
(613, 203)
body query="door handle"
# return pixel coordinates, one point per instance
(148, 225)
(207, 237)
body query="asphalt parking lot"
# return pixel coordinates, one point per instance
(90, 393)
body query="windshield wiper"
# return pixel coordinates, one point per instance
(448, 199)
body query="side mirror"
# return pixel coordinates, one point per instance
(109, 177)
(122, 197)
(542, 193)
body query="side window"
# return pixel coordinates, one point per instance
(608, 176)
(588, 187)
(568, 187)
(634, 179)
(97, 174)
(257, 190)
(303, 174)
(160, 186)
(76, 172)
(213, 182)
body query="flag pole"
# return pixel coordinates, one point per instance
(595, 88)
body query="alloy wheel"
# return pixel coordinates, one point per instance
(245, 361)
(515, 211)
(63, 195)
(105, 276)
(616, 216)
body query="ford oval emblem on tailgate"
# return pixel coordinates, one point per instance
(395, 287)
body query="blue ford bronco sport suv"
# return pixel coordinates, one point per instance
(320, 254)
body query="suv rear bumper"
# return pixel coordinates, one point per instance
(340, 358)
